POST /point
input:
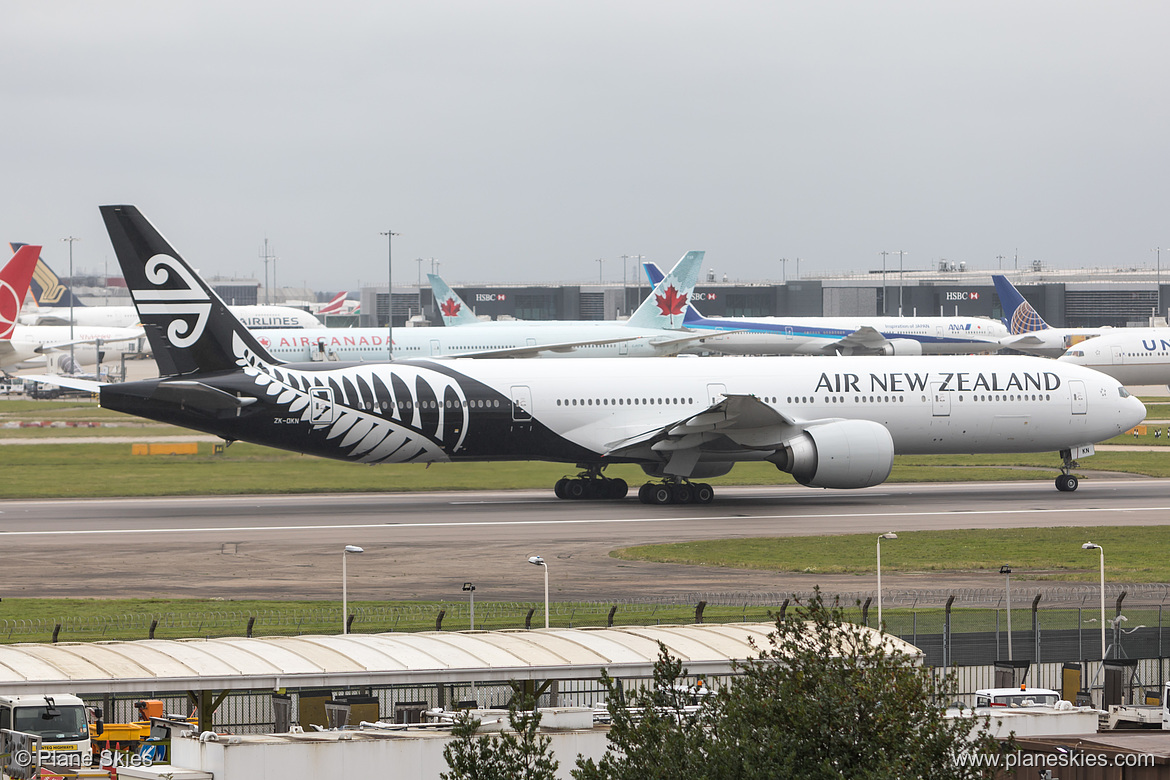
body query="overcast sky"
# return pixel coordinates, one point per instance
(521, 141)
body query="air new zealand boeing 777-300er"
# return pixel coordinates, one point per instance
(832, 422)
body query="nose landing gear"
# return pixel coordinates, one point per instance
(1066, 482)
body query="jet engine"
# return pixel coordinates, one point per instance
(902, 347)
(842, 454)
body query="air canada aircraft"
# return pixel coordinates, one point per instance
(843, 335)
(1133, 356)
(654, 330)
(832, 423)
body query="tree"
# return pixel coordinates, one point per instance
(519, 754)
(824, 699)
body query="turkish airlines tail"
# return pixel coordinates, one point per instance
(14, 281)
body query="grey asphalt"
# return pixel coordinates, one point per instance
(424, 546)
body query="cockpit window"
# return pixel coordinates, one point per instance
(1123, 392)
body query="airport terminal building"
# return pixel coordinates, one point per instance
(1065, 298)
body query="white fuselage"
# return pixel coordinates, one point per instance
(1051, 342)
(367, 344)
(937, 405)
(254, 317)
(39, 344)
(819, 335)
(1132, 356)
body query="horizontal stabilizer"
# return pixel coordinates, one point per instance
(85, 385)
(199, 396)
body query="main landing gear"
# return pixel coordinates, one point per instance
(676, 491)
(589, 485)
(1066, 482)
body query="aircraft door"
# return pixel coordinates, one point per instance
(623, 347)
(1080, 399)
(788, 333)
(941, 403)
(531, 342)
(521, 403)
(436, 348)
(1118, 356)
(715, 393)
(321, 411)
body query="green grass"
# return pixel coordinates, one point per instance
(1133, 554)
(80, 620)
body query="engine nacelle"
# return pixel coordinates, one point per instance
(903, 347)
(842, 454)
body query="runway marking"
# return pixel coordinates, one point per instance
(594, 521)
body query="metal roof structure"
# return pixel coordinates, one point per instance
(267, 663)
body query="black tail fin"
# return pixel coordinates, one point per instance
(189, 327)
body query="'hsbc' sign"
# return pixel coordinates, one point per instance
(489, 297)
(962, 296)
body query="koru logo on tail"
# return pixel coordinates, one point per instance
(181, 303)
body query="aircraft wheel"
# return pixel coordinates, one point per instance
(661, 494)
(561, 488)
(682, 493)
(704, 493)
(618, 488)
(576, 489)
(1067, 483)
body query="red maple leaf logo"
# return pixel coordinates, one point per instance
(670, 302)
(449, 307)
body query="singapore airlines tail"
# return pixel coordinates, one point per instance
(190, 328)
(14, 283)
(47, 288)
(1018, 314)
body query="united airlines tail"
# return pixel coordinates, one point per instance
(667, 305)
(451, 306)
(1018, 314)
(190, 328)
(47, 288)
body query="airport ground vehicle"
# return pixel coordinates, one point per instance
(60, 721)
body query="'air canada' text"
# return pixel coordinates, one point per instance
(961, 382)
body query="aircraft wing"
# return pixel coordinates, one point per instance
(864, 339)
(87, 385)
(729, 427)
(694, 337)
(533, 350)
(60, 345)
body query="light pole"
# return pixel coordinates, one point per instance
(624, 277)
(600, 269)
(536, 560)
(884, 293)
(1091, 546)
(888, 535)
(901, 282)
(783, 270)
(354, 549)
(1007, 570)
(469, 589)
(72, 358)
(389, 291)
(1158, 313)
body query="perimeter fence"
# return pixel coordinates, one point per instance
(953, 628)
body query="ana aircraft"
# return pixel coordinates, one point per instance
(647, 333)
(831, 423)
(51, 300)
(843, 335)
(1028, 331)
(1132, 356)
(27, 345)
